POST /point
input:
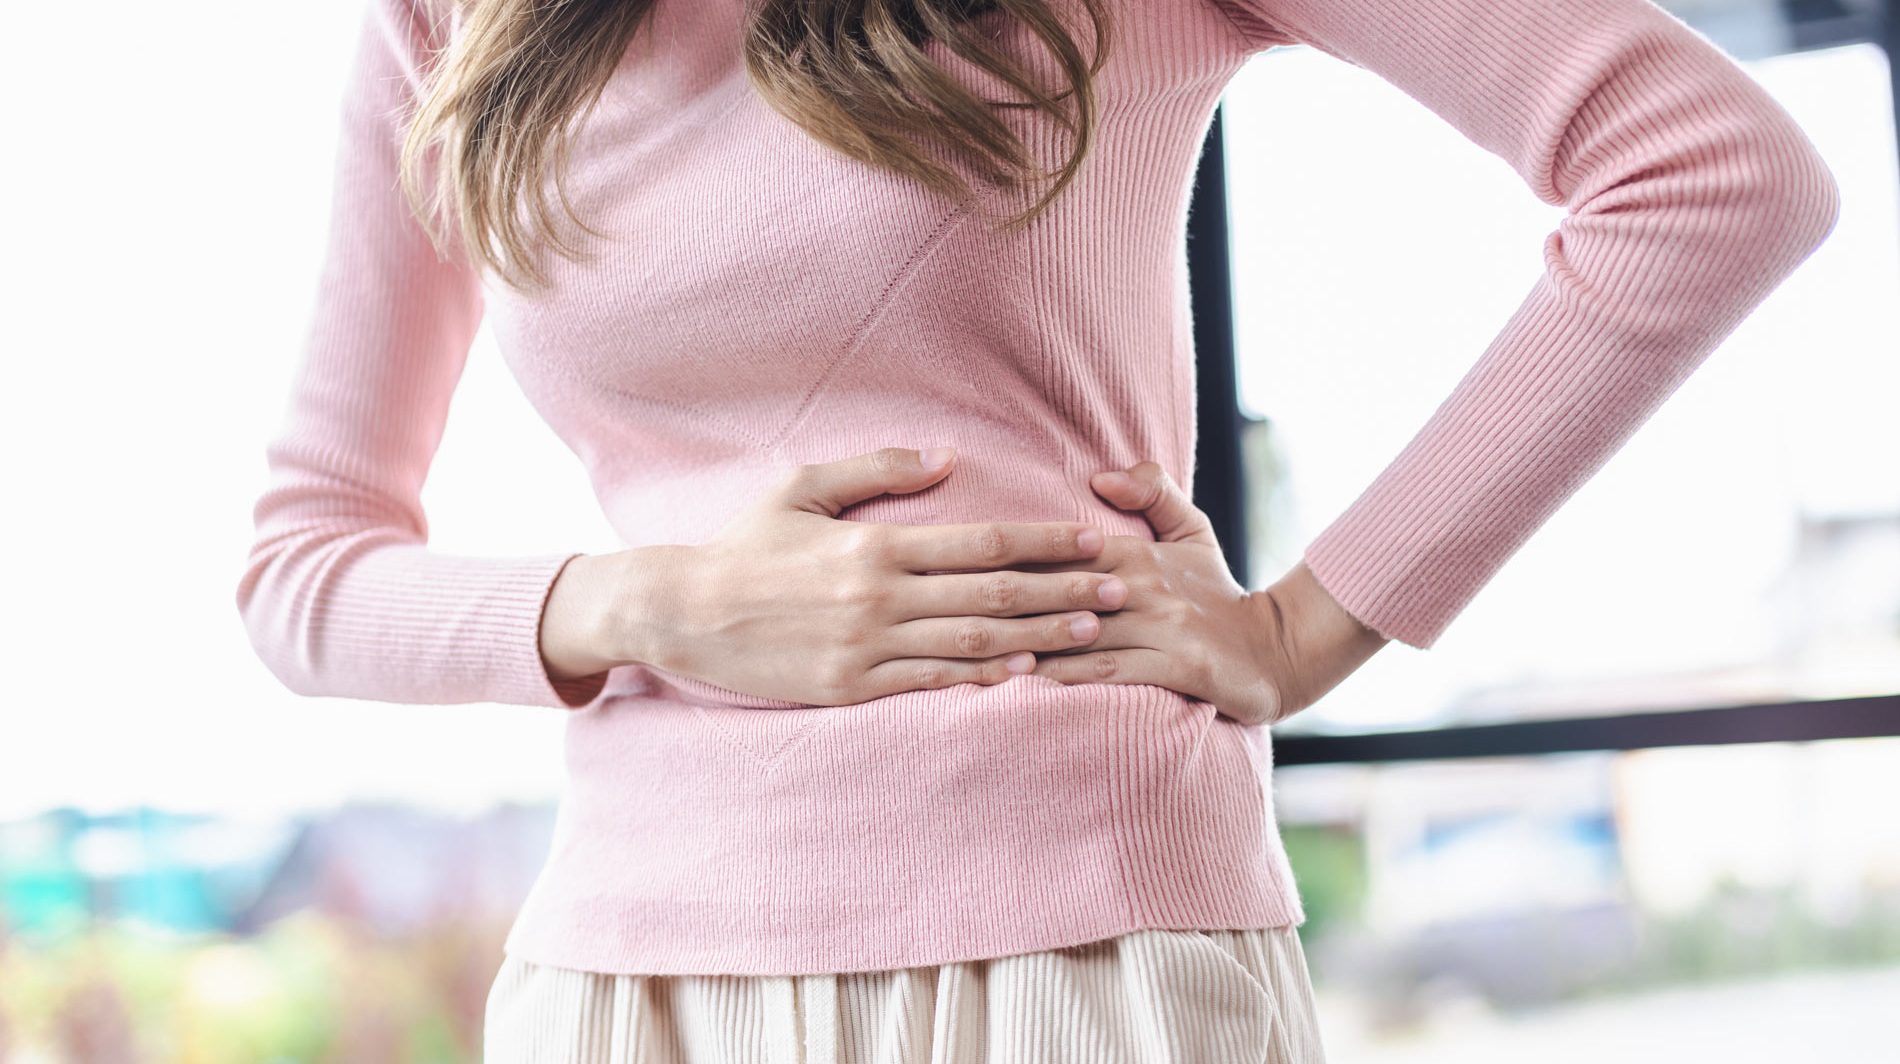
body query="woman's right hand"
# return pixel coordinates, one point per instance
(789, 602)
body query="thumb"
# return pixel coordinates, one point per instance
(828, 487)
(1148, 487)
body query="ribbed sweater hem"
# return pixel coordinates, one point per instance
(1052, 815)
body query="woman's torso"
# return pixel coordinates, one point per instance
(761, 300)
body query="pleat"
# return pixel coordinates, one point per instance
(1277, 961)
(725, 1017)
(883, 1017)
(1146, 997)
(957, 1020)
(645, 1028)
(549, 1014)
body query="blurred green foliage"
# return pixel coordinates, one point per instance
(1329, 864)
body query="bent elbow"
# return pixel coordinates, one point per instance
(1820, 205)
(277, 630)
(1811, 203)
(1797, 196)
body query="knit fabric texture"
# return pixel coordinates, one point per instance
(759, 300)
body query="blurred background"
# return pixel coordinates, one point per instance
(1654, 823)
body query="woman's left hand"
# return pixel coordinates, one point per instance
(1187, 625)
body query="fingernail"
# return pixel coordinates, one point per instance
(936, 458)
(1020, 663)
(1112, 479)
(1089, 539)
(1113, 592)
(1084, 626)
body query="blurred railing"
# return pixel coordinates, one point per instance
(1769, 722)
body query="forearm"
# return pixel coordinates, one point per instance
(335, 614)
(1689, 194)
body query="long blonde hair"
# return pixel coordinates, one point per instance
(852, 73)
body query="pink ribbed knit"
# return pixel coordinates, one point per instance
(763, 301)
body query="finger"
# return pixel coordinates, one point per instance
(1132, 665)
(1148, 487)
(991, 544)
(977, 637)
(922, 674)
(1112, 558)
(1005, 594)
(1117, 631)
(828, 487)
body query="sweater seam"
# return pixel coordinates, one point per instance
(1249, 41)
(866, 323)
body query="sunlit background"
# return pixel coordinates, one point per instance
(1733, 903)
(198, 865)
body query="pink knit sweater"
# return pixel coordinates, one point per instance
(763, 301)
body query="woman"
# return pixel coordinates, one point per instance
(919, 718)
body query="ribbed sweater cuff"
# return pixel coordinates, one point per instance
(512, 599)
(398, 622)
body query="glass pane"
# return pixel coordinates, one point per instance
(1743, 546)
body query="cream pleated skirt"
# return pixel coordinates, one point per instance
(1146, 997)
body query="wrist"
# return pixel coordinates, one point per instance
(646, 615)
(573, 621)
(1317, 616)
(607, 610)
(1323, 642)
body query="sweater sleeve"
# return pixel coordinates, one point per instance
(1689, 195)
(340, 594)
